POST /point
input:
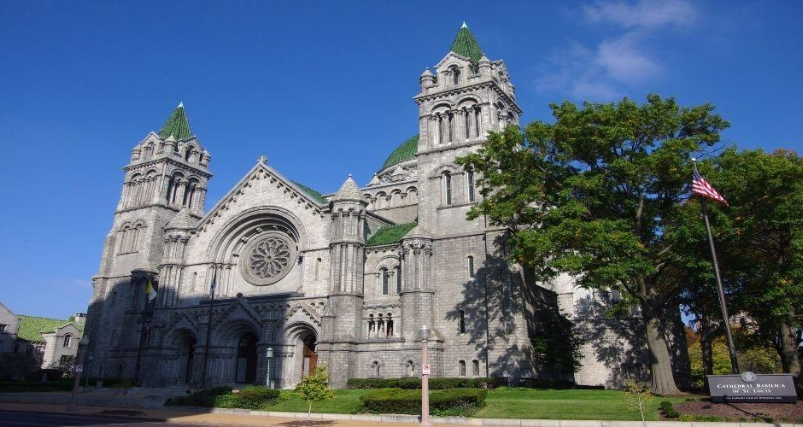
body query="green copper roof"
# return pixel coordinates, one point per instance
(312, 193)
(32, 327)
(177, 125)
(406, 151)
(466, 45)
(390, 234)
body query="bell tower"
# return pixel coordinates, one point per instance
(467, 96)
(168, 172)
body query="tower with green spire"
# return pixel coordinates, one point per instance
(165, 183)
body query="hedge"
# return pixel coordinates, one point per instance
(451, 402)
(223, 397)
(411, 383)
(450, 383)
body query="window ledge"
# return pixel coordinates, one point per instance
(455, 206)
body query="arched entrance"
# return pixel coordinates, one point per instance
(186, 359)
(310, 357)
(246, 369)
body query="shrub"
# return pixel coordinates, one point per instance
(35, 386)
(411, 383)
(204, 398)
(253, 397)
(668, 409)
(451, 402)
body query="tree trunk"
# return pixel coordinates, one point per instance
(706, 348)
(309, 412)
(788, 352)
(663, 382)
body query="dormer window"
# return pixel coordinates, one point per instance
(455, 76)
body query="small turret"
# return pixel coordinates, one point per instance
(170, 144)
(427, 80)
(484, 66)
(349, 191)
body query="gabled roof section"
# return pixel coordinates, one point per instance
(314, 200)
(32, 327)
(390, 235)
(466, 45)
(312, 193)
(178, 125)
(406, 151)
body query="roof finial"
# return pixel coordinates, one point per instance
(180, 104)
(464, 25)
(262, 159)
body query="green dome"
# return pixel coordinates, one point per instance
(406, 151)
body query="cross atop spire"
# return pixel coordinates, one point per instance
(178, 125)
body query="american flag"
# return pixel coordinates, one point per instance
(701, 187)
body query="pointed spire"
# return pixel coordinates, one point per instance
(177, 125)
(466, 45)
(349, 190)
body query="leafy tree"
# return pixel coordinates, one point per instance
(314, 388)
(557, 348)
(638, 397)
(761, 236)
(594, 194)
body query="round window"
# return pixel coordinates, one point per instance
(268, 258)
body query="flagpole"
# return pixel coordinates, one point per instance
(209, 326)
(720, 291)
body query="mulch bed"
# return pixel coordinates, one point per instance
(747, 411)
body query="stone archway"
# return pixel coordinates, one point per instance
(245, 371)
(300, 339)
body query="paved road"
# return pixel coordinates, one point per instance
(19, 418)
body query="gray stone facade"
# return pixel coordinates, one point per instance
(275, 265)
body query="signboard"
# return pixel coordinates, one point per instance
(79, 369)
(425, 369)
(752, 388)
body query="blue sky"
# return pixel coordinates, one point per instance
(324, 89)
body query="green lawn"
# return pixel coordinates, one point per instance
(510, 403)
(563, 404)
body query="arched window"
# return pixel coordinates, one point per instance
(447, 186)
(188, 153)
(67, 341)
(466, 123)
(462, 368)
(470, 185)
(195, 281)
(375, 369)
(397, 272)
(455, 76)
(477, 120)
(410, 368)
(461, 321)
(385, 279)
(476, 367)
(450, 117)
(170, 184)
(470, 266)
(389, 327)
(317, 268)
(371, 326)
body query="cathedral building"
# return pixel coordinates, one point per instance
(344, 279)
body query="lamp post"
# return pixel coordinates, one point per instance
(89, 358)
(423, 334)
(269, 355)
(79, 368)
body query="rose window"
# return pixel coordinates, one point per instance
(268, 259)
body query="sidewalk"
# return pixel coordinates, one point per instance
(217, 417)
(244, 417)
